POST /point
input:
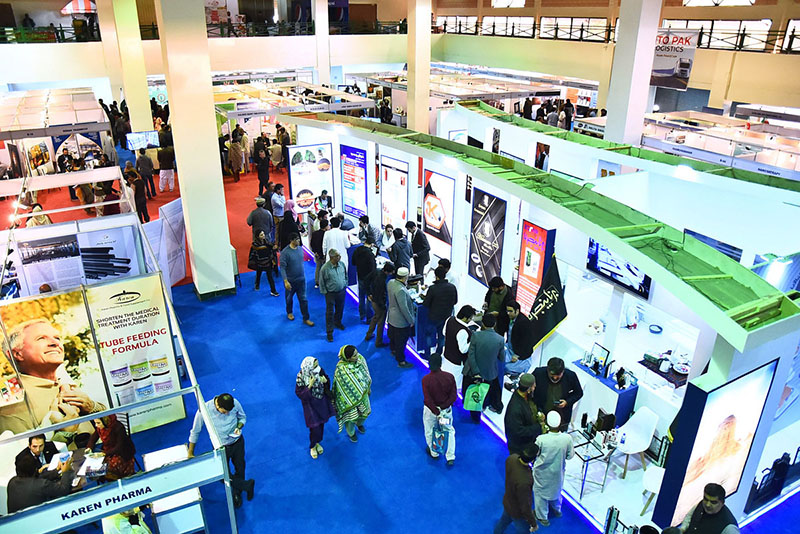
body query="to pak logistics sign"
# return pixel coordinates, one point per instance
(673, 59)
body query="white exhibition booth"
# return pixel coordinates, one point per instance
(678, 302)
(103, 283)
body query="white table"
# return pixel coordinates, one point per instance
(181, 513)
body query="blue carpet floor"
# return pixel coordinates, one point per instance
(385, 483)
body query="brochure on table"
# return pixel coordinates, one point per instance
(124, 322)
(310, 171)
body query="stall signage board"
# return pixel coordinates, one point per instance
(437, 212)
(692, 152)
(486, 236)
(535, 254)
(394, 192)
(354, 180)
(135, 343)
(108, 499)
(674, 56)
(310, 171)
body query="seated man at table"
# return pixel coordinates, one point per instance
(26, 489)
(42, 451)
(519, 344)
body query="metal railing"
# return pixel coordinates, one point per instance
(749, 41)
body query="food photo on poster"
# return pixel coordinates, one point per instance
(50, 344)
(394, 192)
(723, 438)
(135, 343)
(536, 251)
(486, 236)
(354, 180)
(437, 212)
(310, 171)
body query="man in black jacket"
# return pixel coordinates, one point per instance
(376, 294)
(419, 247)
(496, 301)
(440, 300)
(521, 423)
(42, 451)
(26, 489)
(520, 341)
(557, 389)
(364, 262)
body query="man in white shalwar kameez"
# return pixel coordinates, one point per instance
(555, 448)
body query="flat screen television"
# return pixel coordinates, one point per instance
(137, 140)
(602, 261)
(732, 252)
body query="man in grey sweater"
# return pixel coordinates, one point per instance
(294, 278)
(486, 349)
(332, 283)
(401, 316)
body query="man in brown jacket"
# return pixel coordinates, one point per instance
(518, 499)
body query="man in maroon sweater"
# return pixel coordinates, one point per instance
(518, 499)
(439, 391)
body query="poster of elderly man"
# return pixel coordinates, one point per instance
(49, 344)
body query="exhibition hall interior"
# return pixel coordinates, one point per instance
(369, 266)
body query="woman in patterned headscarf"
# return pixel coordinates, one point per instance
(351, 389)
(313, 388)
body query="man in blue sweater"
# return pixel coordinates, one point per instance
(294, 278)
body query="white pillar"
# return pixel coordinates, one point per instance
(419, 64)
(322, 37)
(630, 76)
(134, 74)
(108, 34)
(184, 48)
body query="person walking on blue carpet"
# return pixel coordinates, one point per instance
(352, 386)
(294, 278)
(313, 388)
(401, 316)
(439, 394)
(518, 498)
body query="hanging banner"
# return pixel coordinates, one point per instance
(672, 63)
(310, 172)
(437, 212)
(534, 258)
(394, 193)
(486, 236)
(135, 342)
(550, 308)
(354, 180)
(51, 345)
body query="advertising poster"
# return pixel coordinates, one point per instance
(724, 436)
(394, 193)
(38, 155)
(52, 263)
(534, 256)
(310, 171)
(135, 342)
(108, 254)
(459, 136)
(172, 251)
(437, 212)
(50, 343)
(672, 64)
(354, 180)
(606, 168)
(495, 140)
(542, 161)
(486, 236)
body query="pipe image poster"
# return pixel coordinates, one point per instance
(486, 236)
(310, 171)
(135, 342)
(354, 180)
(437, 212)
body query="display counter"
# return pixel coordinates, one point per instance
(603, 393)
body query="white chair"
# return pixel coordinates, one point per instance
(638, 432)
(652, 484)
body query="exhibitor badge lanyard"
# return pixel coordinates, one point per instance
(486, 236)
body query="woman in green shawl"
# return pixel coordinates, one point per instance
(352, 386)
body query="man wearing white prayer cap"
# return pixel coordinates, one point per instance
(555, 448)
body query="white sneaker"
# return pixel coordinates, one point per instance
(313, 453)
(319, 448)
